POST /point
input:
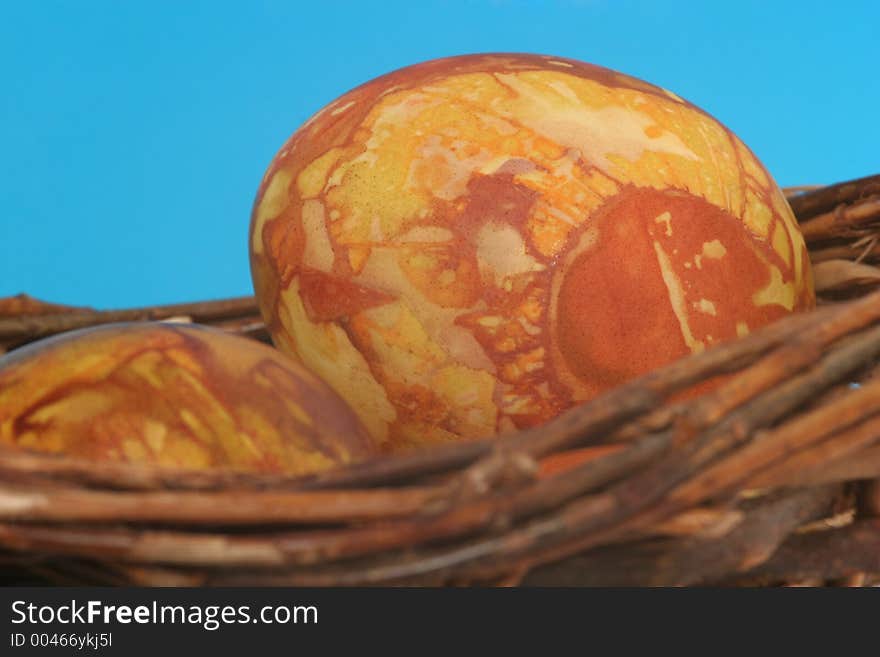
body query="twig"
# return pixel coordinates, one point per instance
(229, 507)
(30, 327)
(841, 222)
(825, 199)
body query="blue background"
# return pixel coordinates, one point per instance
(133, 134)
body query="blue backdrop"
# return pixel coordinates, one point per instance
(133, 134)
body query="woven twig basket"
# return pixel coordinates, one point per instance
(770, 478)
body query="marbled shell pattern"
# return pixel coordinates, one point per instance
(175, 395)
(476, 244)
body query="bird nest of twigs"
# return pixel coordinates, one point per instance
(772, 477)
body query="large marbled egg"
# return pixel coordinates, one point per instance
(175, 395)
(475, 244)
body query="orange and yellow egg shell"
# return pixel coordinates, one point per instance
(475, 244)
(174, 395)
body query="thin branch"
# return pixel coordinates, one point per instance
(31, 327)
(827, 198)
(841, 222)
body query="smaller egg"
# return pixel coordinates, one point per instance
(175, 395)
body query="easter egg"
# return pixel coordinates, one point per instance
(475, 244)
(174, 395)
